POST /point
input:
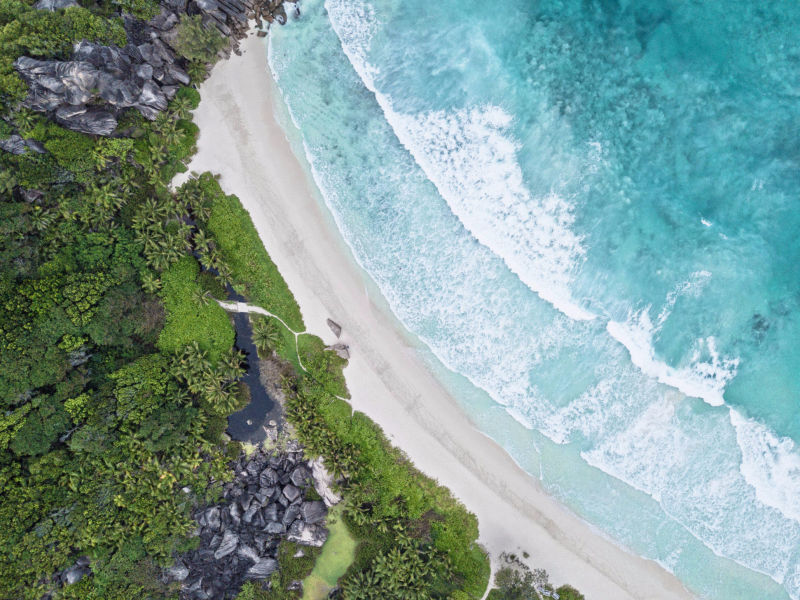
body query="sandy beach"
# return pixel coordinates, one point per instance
(241, 140)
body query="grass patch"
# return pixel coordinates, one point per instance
(337, 555)
(256, 276)
(188, 320)
(323, 365)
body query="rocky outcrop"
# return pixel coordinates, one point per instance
(268, 501)
(88, 92)
(16, 144)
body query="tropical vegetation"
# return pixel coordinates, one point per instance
(118, 368)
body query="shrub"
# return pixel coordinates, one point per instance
(188, 321)
(567, 592)
(195, 41)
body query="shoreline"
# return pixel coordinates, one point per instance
(241, 139)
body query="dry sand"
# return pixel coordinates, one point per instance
(241, 139)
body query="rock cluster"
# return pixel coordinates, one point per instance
(239, 539)
(88, 92)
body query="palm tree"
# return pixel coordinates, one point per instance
(24, 120)
(202, 243)
(233, 364)
(181, 106)
(201, 297)
(150, 282)
(197, 71)
(266, 335)
(225, 274)
(161, 124)
(106, 197)
(42, 218)
(8, 181)
(172, 136)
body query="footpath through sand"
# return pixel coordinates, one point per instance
(241, 139)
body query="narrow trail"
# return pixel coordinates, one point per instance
(244, 307)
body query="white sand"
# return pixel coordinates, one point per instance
(241, 140)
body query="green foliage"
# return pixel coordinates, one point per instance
(323, 365)
(197, 42)
(404, 520)
(251, 268)
(70, 149)
(516, 581)
(567, 592)
(99, 431)
(187, 321)
(141, 9)
(41, 427)
(268, 334)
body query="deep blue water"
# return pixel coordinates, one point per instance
(587, 212)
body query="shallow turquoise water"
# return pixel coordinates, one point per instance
(586, 212)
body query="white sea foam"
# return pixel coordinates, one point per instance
(706, 374)
(770, 464)
(688, 463)
(471, 159)
(645, 437)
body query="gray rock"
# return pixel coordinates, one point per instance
(244, 502)
(213, 518)
(164, 21)
(313, 512)
(178, 74)
(94, 121)
(291, 492)
(268, 477)
(144, 71)
(150, 55)
(207, 5)
(52, 5)
(275, 528)
(74, 574)
(342, 350)
(323, 482)
(271, 512)
(236, 513)
(292, 512)
(248, 515)
(247, 553)
(18, 145)
(300, 475)
(262, 569)
(32, 196)
(229, 542)
(335, 327)
(307, 535)
(179, 572)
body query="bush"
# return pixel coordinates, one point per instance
(567, 592)
(195, 41)
(187, 320)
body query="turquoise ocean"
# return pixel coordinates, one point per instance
(586, 212)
